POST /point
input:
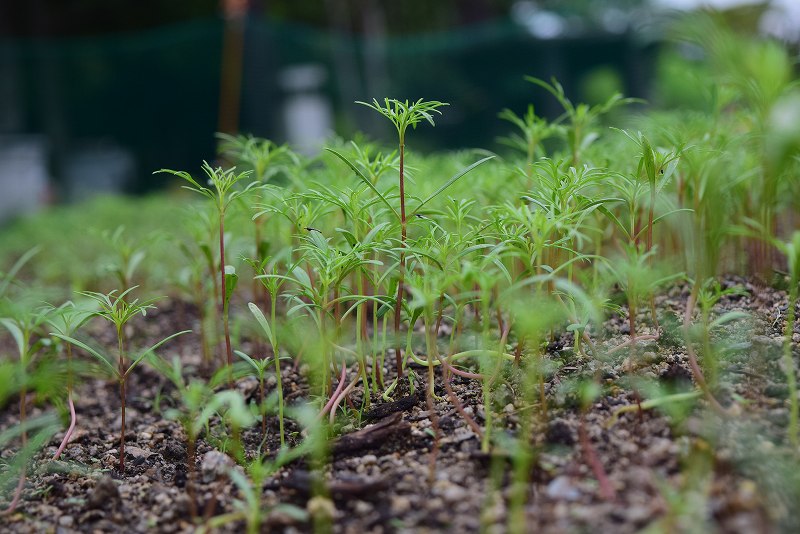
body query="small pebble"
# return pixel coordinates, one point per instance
(400, 504)
(563, 488)
(214, 464)
(363, 507)
(454, 493)
(66, 520)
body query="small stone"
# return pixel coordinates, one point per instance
(214, 464)
(272, 381)
(105, 491)
(400, 504)
(454, 493)
(650, 357)
(136, 452)
(638, 513)
(509, 408)
(363, 507)
(562, 488)
(629, 365)
(369, 459)
(321, 508)
(559, 432)
(162, 498)
(66, 520)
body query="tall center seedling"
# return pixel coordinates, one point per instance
(221, 195)
(403, 115)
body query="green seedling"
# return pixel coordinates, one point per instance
(118, 310)
(199, 280)
(272, 283)
(127, 256)
(43, 428)
(375, 167)
(402, 115)
(66, 320)
(7, 278)
(267, 160)
(24, 323)
(531, 132)
(197, 404)
(194, 398)
(533, 328)
(258, 368)
(581, 118)
(222, 194)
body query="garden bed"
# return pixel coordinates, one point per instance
(677, 467)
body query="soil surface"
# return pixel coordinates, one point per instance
(681, 467)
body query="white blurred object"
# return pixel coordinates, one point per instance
(781, 20)
(96, 169)
(307, 114)
(23, 175)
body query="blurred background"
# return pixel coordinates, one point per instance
(97, 94)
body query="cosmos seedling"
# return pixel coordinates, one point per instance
(222, 194)
(118, 310)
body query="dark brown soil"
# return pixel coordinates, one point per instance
(676, 469)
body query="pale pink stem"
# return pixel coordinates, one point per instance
(459, 372)
(590, 455)
(458, 405)
(334, 396)
(71, 428)
(17, 495)
(342, 395)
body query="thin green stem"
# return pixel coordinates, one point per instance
(278, 377)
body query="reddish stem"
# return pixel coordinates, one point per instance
(17, 494)
(335, 394)
(607, 492)
(699, 378)
(458, 405)
(21, 483)
(122, 429)
(190, 468)
(71, 428)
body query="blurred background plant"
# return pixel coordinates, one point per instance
(78, 97)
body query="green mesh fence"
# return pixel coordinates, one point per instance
(156, 93)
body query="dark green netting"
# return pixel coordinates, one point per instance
(156, 93)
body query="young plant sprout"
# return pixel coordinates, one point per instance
(118, 310)
(222, 194)
(66, 320)
(581, 118)
(402, 115)
(23, 323)
(531, 131)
